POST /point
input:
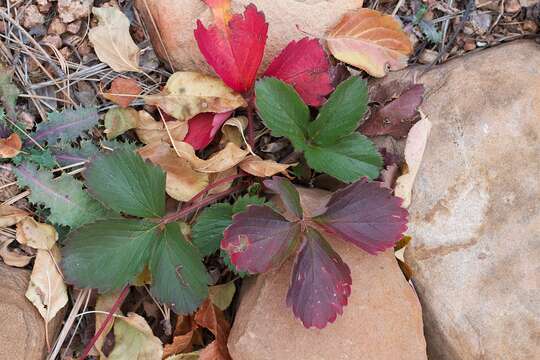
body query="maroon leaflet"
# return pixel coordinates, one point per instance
(288, 194)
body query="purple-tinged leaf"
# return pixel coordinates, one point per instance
(66, 126)
(396, 117)
(288, 194)
(259, 239)
(365, 214)
(320, 282)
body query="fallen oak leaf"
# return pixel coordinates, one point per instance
(234, 45)
(118, 120)
(182, 182)
(414, 152)
(123, 91)
(396, 117)
(256, 166)
(112, 42)
(230, 156)
(150, 131)
(10, 146)
(304, 65)
(371, 41)
(11, 215)
(36, 235)
(47, 290)
(187, 94)
(202, 128)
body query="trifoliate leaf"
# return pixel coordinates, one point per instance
(66, 125)
(69, 204)
(179, 277)
(341, 114)
(283, 111)
(108, 254)
(353, 157)
(126, 183)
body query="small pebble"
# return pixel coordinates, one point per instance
(56, 27)
(32, 17)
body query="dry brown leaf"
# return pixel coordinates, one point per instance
(233, 130)
(230, 156)
(187, 94)
(118, 121)
(371, 41)
(186, 334)
(123, 91)
(414, 152)
(210, 317)
(112, 42)
(256, 166)
(10, 215)
(222, 175)
(134, 340)
(46, 289)
(104, 302)
(151, 131)
(12, 257)
(10, 146)
(35, 234)
(182, 182)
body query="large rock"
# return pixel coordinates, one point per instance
(22, 330)
(475, 214)
(173, 21)
(383, 320)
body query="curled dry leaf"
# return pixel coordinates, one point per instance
(46, 289)
(187, 94)
(210, 317)
(256, 166)
(230, 156)
(123, 91)
(10, 215)
(10, 146)
(182, 182)
(150, 131)
(233, 131)
(36, 235)
(118, 121)
(371, 41)
(12, 257)
(221, 175)
(186, 334)
(414, 152)
(134, 340)
(112, 42)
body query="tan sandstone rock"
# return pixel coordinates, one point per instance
(22, 330)
(382, 321)
(175, 20)
(475, 214)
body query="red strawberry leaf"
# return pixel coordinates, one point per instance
(259, 239)
(288, 194)
(320, 282)
(203, 128)
(365, 214)
(234, 45)
(396, 117)
(304, 65)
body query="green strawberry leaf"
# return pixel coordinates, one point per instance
(179, 277)
(244, 201)
(282, 110)
(70, 205)
(108, 254)
(126, 183)
(353, 157)
(341, 114)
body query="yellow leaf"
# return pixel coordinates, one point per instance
(223, 160)
(414, 152)
(134, 340)
(151, 131)
(187, 94)
(256, 166)
(222, 295)
(112, 42)
(182, 182)
(46, 289)
(10, 215)
(371, 41)
(118, 121)
(104, 302)
(35, 234)
(10, 146)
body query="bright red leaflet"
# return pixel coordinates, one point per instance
(304, 65)
(204, 127)
(234, 45)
